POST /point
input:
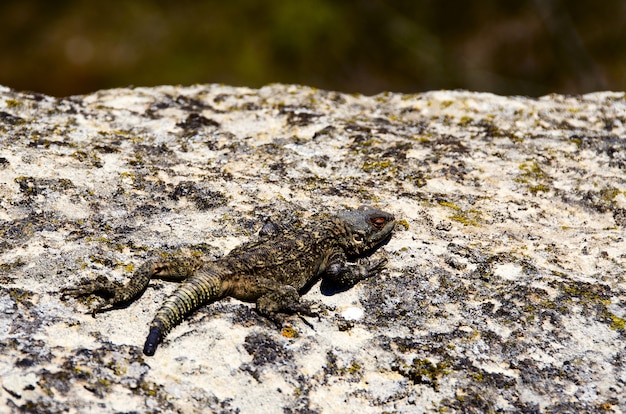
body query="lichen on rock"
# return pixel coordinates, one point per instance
(505, 288)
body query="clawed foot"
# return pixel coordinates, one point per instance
(308, 308)
(101, 287)
(349, 274)
(373, 269)
(304, 309)
(275, 305)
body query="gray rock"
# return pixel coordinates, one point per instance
(505, 289)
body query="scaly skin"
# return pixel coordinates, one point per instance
(270, 272)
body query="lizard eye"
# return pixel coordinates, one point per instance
(357, 238)
(378, 222)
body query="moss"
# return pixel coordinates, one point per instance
(608, 194)
(532, 168)
(80, 155)
(99, 239)
(578, 141)
(149, 389)
(129, 175)
(354, 368)
(533, 178)
(118, 370)
(19, 262)
(581, 291)
(466, 120)
(105, 382)
(374, 166)
(617, 323)
(593, 298)
(12, 103)
(471, 217)
(20, 295)
(403, 223)
(83, 156)
(422, 371)
(128, 267)
(449, 205)
(82, 373)
(32, 186)
(137, 161)
(534, 189)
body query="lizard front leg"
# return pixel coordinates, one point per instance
(342, 273)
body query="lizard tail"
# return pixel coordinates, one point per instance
(199, 289)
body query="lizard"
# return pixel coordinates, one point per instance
(272, 271)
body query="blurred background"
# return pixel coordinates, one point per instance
(525, 47)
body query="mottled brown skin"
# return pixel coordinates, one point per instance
(271, 272)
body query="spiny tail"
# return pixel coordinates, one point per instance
(201, 288)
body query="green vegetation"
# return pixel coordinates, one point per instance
(350, 46)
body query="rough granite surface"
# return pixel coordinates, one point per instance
(505, 289)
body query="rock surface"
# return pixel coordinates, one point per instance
(505, 289)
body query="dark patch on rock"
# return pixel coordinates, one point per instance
(265, 349)
(32, 186)
(194, 122)
(7, 118)
(299, 116)
(204, 198)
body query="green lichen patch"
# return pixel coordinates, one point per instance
(602, 200)
(616, 323)
(534, 178)
(594, 299)
(468, 217)
(336, 366)
(99, 372)
(21, 296)
(377, 165)
(13, 103)
(91, 158)
(423, 371)
(32, 186)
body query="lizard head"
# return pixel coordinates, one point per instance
(365, 228)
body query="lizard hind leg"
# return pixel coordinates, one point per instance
(176, 268)
(107, 290)
(286, 299)
(114, 294)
